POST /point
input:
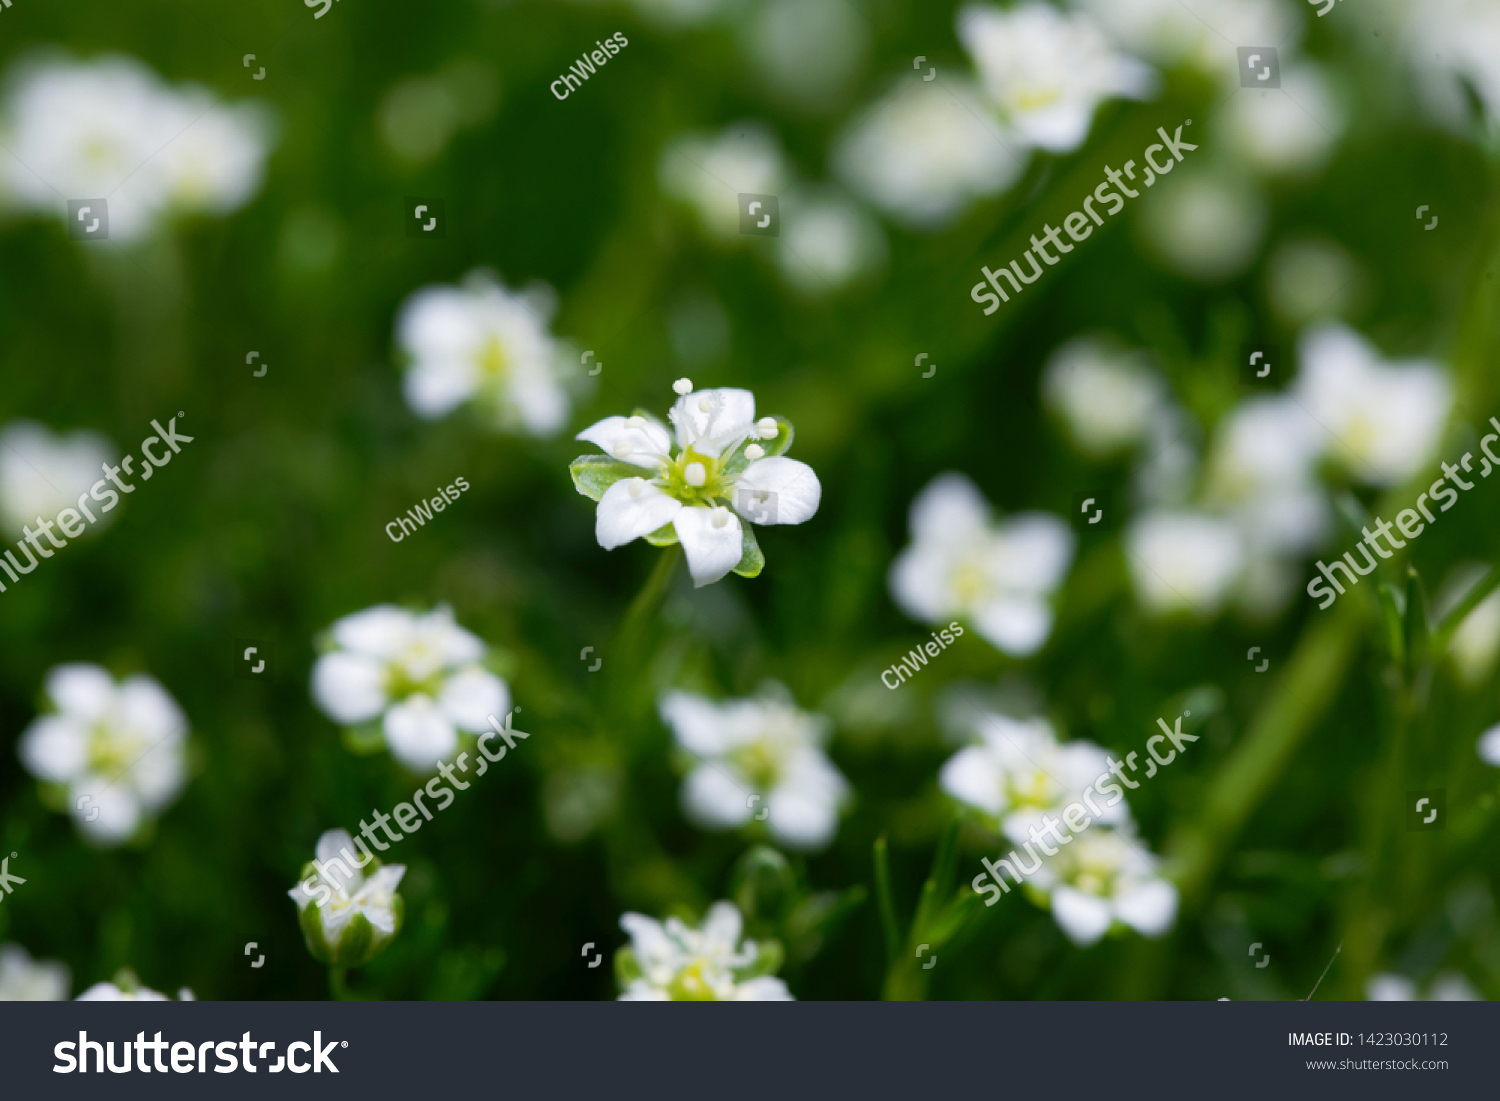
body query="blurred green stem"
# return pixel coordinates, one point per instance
(338, 986)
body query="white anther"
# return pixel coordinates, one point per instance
(767, 427)
(694, 474)
(705, 404)
(623, 449)
(635, 486)
(635, 422)
(755, 451)
(719, 517)
(683, 386)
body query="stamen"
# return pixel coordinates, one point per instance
(719, 517)
(705, 404)
(767, 427)
(636, 485)
(635, 422)
(623, 449)
(683, 386)
(755, 451)
(694, 474)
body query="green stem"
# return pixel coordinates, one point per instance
(886, 903)
(649, 599)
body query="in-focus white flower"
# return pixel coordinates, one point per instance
(1103, 877)
(41, 474)
(117, 747)
(758, 759)
(1291, 129)
(1183, 561)
(1046, 71)
(807, 51)
(1199, 33)
(127, 988)
(709, 173)
(483, 343)
(926, 150)
(961, 564)
(826, 241)
(1204, 224)
(23, 979)
(1489, 746)
(727, 466)
(1107, 398)
(348, 909)
(1383, 420)
(421, 675)
(110, 127)
(673, 962)
(1020, 773)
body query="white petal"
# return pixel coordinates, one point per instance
(1489, 746)
(950, 510)
(159, 774)
(1084, 918)
(86, 691)
(1031, 551)
(919, 581)
(1017, 626)
(451, 644)
(764, 988)
(436, 387)
(631, 508)
(646, 444)
(54, 748)
(777, 490)
(713, 541)
(971, 776)
(119, 810)
(708, 420)
(721, 929)
(802, 817)
(696, 722)
(418, 734)
(713, 801)
(471, 696)
(382, 631)
(1390, 988)
(1149, 908)
(350, 688)
(146, 706)
(331, 845)
(540, 399)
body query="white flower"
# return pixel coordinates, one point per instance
(1308, 279)
(110, 128)
(1198, 33)
(1489, 746)
(1383, 420)
(1047, 71)
(826, 241)
(757, 759)
(1454, 45)
(1291, 129)
(118, 748)
(1020, 773)
(1000, 577)
(1205, 224)
(42, 474)
(421, 675)
(127, 988)
(1263, 466)
(724, 459)
(1107, 398)
(1102, 877)
(25, 980)
(927, 150)
(710, 173)
(1448, 986)
(483, 343)
(808, 51)
(346, 915)
(1183, 561)
(670, 961)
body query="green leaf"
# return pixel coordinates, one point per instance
(593, 474)
(627, 967)
(751, 560)
(1478, 592)
(663, 536)
(883, 897)
(1415, 630)
(1392, 613)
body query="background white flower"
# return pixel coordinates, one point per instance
(347, 919)
(1046, 71)
(485, 344)
(671, 961)
(711, 172)
(118, 748)
(1183, 561)
(128, 988)
(1107, 398)
(1291, 129)
(961, 564)
(23, 979)
(758, 758)
(1102, 877)
(110, 127)
(41, 473)
(1200, 33)
(1205, 224)
(826, 240)
(421, 675)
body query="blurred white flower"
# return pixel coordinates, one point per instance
(1448, 986)
(421, 675)
(826, 241)
(1455, 45)
(759, 758)
(127, 988)
(1263, 468)
(925, 151)
(1047, 71)
(1102, 877)
(681, 13)
(110, 128)
(118, 748)
(1311, 279)
(1383, 420)
(1199, 33)
(1107, 398)
(419, 115)
(709, 173)
(484, 343)
(961, 564)
(25, 980)
(1489, 746)
(1291, 129)
(808, 51)
(1183, 561)
(1020, 772)
(726, 459)
(1205, 224)
(347, 919)
(670, 961)
(41, 474)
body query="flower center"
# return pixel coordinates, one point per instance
(493, 361)
(691, 985)
(695, 479)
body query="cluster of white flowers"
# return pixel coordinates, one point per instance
(963, 565)
(758, 759)
(109, 128)
(421, 675)
(116, 748)
(1018, 776)
(348, 916)
(673, 962)
(484, 344)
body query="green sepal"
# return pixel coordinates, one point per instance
(769, 956)
(363, 740)
(627, 967)
(663, 536)
(751, 559)
(1392, 614)
(593, 474)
